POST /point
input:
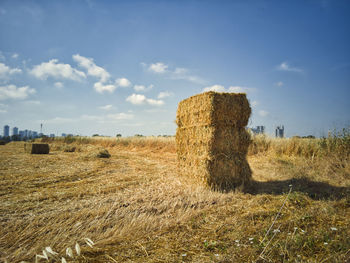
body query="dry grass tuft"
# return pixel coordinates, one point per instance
(135, 208)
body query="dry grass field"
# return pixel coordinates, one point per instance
(136, 208)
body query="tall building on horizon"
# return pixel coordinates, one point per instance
(258, 130)
(14, 131)
(279, 132)
(6, 131)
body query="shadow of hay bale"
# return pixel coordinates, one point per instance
(314, 190)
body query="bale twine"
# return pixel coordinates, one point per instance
(36, 148)
(211, 139)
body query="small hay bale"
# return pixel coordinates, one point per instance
(2, 142)
(211, 139)
(103, 154)
(37, 148)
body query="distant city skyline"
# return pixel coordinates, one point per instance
(23, 133)
(122, 67)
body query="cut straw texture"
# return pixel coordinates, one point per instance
(211, 139)
(36, 148)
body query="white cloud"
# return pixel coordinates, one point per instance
(254, 103)
(92, 68)
(263, 113)
(233, 89)
(164, 94)
(155, 102)
(239, 89)
(58, 85)
(12, 92)
(216, 88)
(279, 84)
(106, 107)
(136, 99)
(56, 70)
(158, 67)
(139, 99)
(285, 67)
(100, 87)
(139, 88)
(184, 74)
(122, 82)
(142, 88)
(120, 116)
(178, 73)
(15, 55)
(6, 71)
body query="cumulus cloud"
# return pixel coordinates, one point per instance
(6, 71)
(12, 92)
(139, 99)
(233, 89)
(106, 107)
(100, 87)
(58, 85)
(136, 99)
(155, 102)
(177, 73)
(142, 88)
(56, 70)
(92, 68)
(158, 67)
(164, 94)
(139, 88)
(122, 82)
(184, 74)
(284, 66)
(217, 88)
(263, 113)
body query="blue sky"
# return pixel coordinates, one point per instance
(111, 67)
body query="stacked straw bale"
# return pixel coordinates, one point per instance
(36, 148)
(211, 139)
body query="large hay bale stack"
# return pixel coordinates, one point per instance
(211, 139)
(36, 148)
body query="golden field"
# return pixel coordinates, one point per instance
(136, 208)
